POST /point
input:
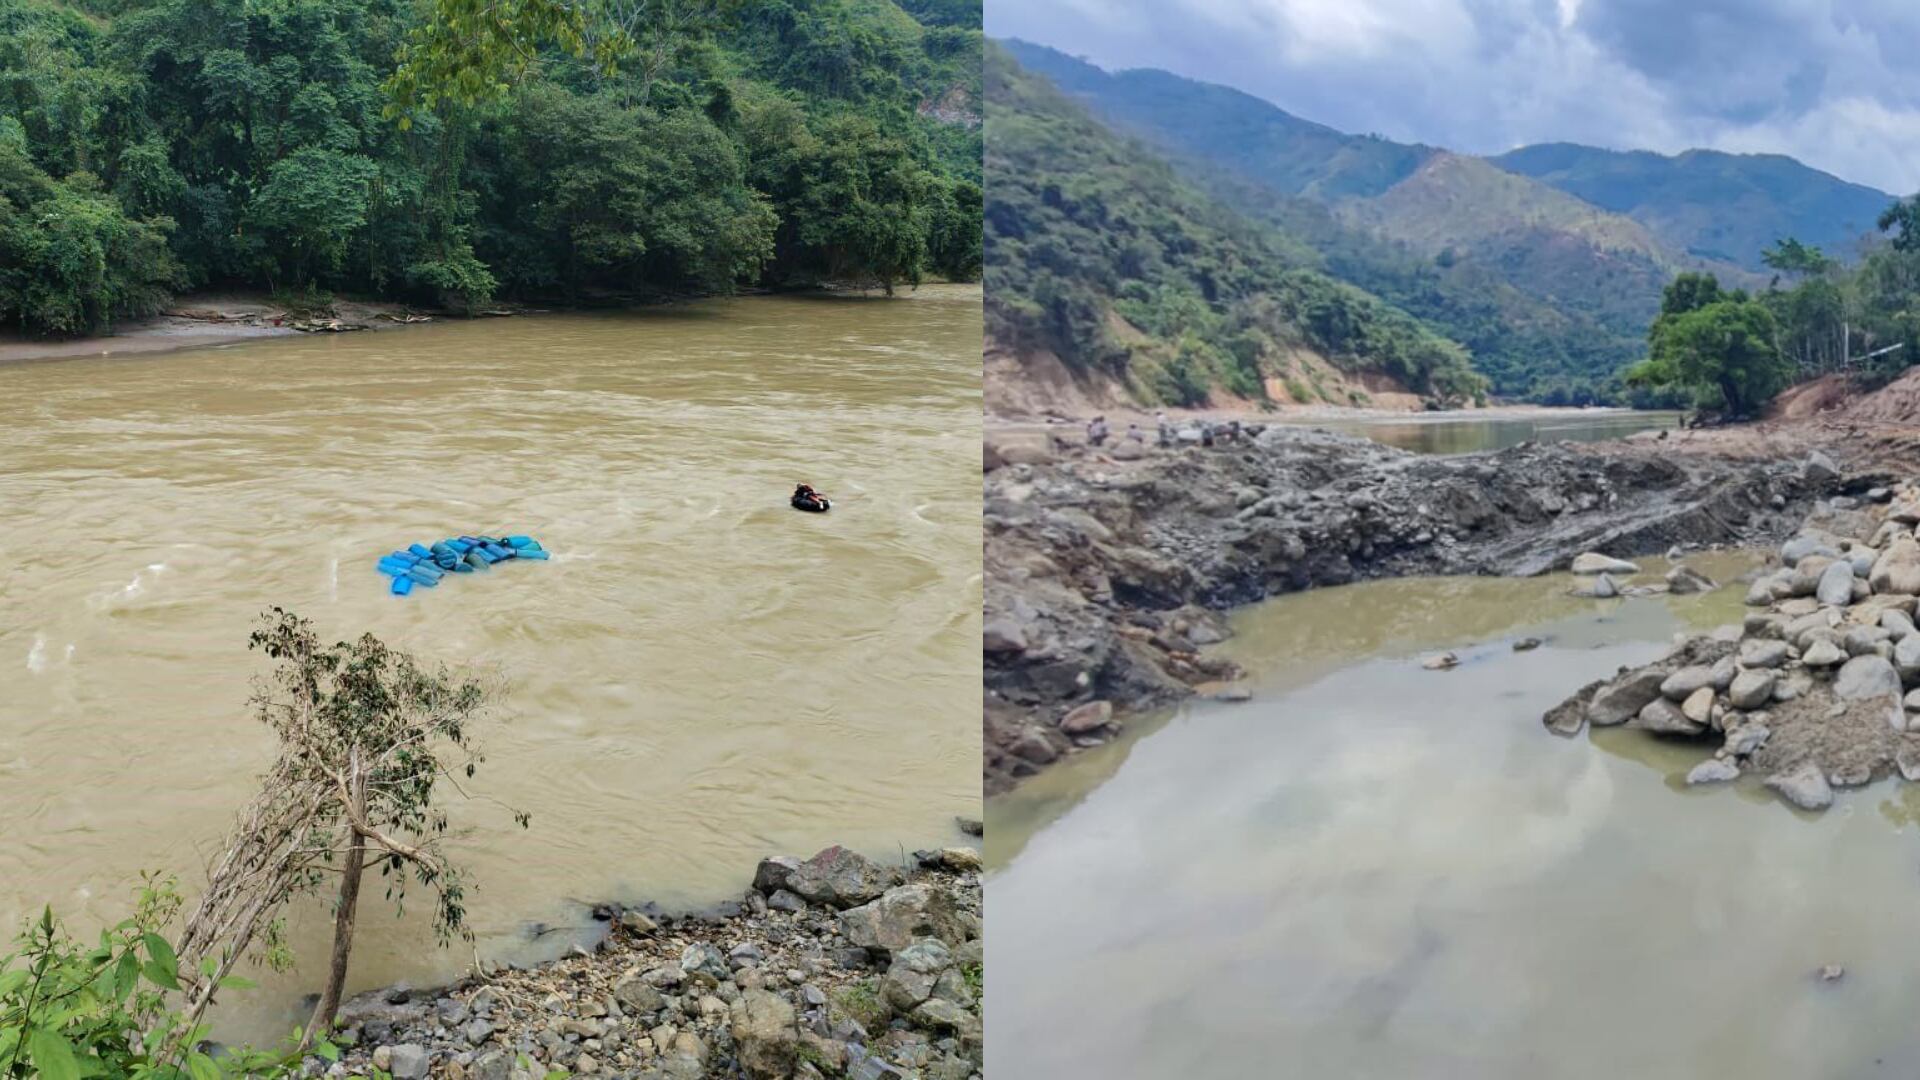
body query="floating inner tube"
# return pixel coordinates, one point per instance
(818, 505)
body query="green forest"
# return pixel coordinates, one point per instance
(1091, 239)
(632, 150)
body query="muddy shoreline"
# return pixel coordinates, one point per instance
(1107, 572)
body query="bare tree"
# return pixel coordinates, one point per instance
(367, 735)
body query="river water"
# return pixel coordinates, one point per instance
(699, 677)
(1375, 870)
(1463, 432)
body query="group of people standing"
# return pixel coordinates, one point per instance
(1098, 432)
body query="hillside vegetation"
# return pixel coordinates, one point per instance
(148, 146)
(1552, 291)
(1729, 207)
(1098, 252)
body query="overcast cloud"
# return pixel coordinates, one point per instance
(1831, 83)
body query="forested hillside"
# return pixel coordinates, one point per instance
(1552, 292)
(1098, 252)
(1711, 204)
(149, 146)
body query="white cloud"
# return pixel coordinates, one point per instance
(1826, 81)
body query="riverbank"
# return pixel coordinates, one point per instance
(204, 320)
(1106, 572)
(835, 966)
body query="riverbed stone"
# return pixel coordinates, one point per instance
(1804, 786)
(1093, 716)
(1897, 623)
(1835, 585)
(1751, 688)
(408, 1061)
(1622, 699)
(1699, 705)
(1713, 771)
(1663, 717)
(766, 1036)
(1593, 562)
(1823, 653)
(901, 915)
(1683, 580)
(909, 980)
(1747, 738)
(1865, 677)
(1803, 545)
(1906, 658)
(1762, 653)
(841, 878)
(1897, 570)
(1681, 684)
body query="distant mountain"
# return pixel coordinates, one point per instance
(1552, 293)
(1110, 277)
(1711, 204)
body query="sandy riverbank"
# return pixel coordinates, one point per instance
(204, 320)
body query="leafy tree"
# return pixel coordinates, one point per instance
(1790, 256)
(1721, 347)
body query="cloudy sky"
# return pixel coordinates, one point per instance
(1831, 82)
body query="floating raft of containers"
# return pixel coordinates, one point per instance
(424, 565)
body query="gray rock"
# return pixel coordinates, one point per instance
(1865, 677)
(1897, 623)
(1759, 653)
(903, 914)
(1805, 786)
(1746, 739)
(1835, 586)
(773, 872)
(1699, 706)
(492, 1065)
(1593, 562)
(1751, 689)
(1663, 717)
(408, 1061)
(1823, 653)
(1906, 657)
(1681, 684)
(841, 878)
(476, 1032)
(1819, 469)
(1804, 545)
(636, 995)
(1092, 716)
(1622, 699)
(1682, 580)
(704, 958)
(782, 900)
(766, 1037)
(1713, 771)
(910, 979)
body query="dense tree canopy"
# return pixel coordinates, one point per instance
(1720, 345)
(615, 149)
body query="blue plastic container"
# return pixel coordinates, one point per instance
(402, 586)
(462, 568)
(422, 578)
(476, 560)
(519, 541)
(420, 550)
(533, 553)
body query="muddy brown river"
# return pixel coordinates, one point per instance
(1375, 870)
(699, 677)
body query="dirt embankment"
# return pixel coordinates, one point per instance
(1105, 572)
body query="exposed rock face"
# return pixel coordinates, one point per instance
(1104, 577)
(1825, 686)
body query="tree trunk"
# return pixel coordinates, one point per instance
(324, 1012)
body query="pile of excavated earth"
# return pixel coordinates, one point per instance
(1820, 688)
(1107, 570)
(838, 966)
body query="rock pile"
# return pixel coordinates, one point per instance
(1820, 688)
(836, 966)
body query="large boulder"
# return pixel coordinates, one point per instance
(1680, 685)
(766, 1038)
(1092, 716)
(774, 872)
(1663, 717)
(1835, 585)
(910, 979)
(1897, 570)
(1751, 689)
(1906, 658)
(1866, 677)
(841, 878)
(1762, 653)
(903, 914)
(1622, 699)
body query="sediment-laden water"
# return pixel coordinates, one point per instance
(700, 675)
(1376, 870)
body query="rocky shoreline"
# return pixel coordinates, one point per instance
(1107, 571)
(1819, 688)
(836, 966)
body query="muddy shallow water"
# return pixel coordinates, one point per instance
(700, 676)
(1374, 870)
